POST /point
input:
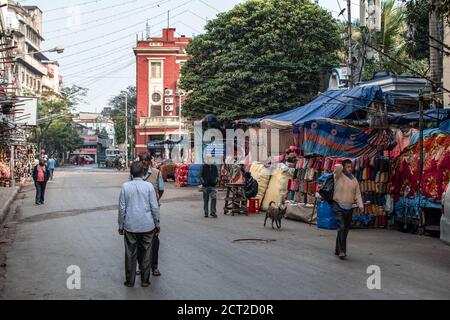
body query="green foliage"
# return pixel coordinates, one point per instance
(259, 58)
(417, 20)
(61, 136)
(402, 29)
(117, 104)
(55, 130)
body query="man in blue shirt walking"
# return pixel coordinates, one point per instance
(138, 222)
(51, 166)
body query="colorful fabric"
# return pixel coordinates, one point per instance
(436, 168)
(328, 137)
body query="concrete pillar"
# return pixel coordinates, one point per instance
(446, 74)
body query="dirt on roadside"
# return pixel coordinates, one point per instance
(7, 235)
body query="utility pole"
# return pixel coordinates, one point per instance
(421, 159)
(179, 114)
(168, 18)
(350, 53)
(126, 129)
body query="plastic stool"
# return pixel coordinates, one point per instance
(253, 205)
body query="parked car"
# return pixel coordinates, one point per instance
(445, 218)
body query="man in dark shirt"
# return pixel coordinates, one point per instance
(209, 176)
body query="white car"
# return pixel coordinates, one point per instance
(445, 218)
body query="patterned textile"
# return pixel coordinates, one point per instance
(436, 168)
(328, 137)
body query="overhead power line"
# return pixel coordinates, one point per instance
(92, 11)
(123, 29)
(74, 5)
(121, 14)
(117, 39)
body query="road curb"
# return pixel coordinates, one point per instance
(5, 208)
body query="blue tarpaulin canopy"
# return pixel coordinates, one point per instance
(431, 115)
(333, 104)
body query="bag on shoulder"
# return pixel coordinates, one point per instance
(327, 190)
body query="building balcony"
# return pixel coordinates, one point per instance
(159, 122)
(34, 64)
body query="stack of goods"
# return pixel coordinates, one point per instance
(410, 196)
(303, 185)
(194, 174)
(372, 173)
(262, 175)
(24, 161)
(5, 171)
(181, 175)
(277, 188)
(224, 174)
(373, 176)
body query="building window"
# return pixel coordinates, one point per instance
(156, 111)
(155, 70)
(23, 77)
(156, 97)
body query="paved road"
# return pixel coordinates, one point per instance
(198, 258)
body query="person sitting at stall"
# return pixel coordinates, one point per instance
(251, 186)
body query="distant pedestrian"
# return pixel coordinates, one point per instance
(138, 222)
(209, 177)
(51, 166)
(41, 174)
(346, 197)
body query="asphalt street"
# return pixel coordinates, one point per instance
(200, 258)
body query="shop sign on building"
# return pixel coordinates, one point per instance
(26, 111)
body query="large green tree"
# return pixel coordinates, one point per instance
(55, 120)
(117, 104)
(261, 57)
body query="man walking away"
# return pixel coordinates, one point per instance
(51, 166)
(41, 175)
(209, 176)
(153, 176)
(346, 195)
(138, 222)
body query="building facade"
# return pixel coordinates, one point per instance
(33, 72)
(98, 134)
(159, 98)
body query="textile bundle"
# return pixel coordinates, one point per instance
(328, 137)
(436, 168)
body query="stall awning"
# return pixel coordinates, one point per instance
(333, 104)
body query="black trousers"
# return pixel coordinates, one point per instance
(155, 251)
(40, 191)
(138, 247)
(343, 221)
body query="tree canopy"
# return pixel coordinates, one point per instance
(261, 57)
(55, 130)
(117, 104)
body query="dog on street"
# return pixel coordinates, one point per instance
(275, 213)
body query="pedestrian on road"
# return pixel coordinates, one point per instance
(346, 197)
(153, 176)
(209, 176)
(138, 222)
(51, 166)
(41, 174)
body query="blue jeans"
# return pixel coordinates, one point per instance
(40, 191)
(207, 193)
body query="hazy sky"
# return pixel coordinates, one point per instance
(98, 36)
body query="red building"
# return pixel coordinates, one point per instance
(158, 63)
